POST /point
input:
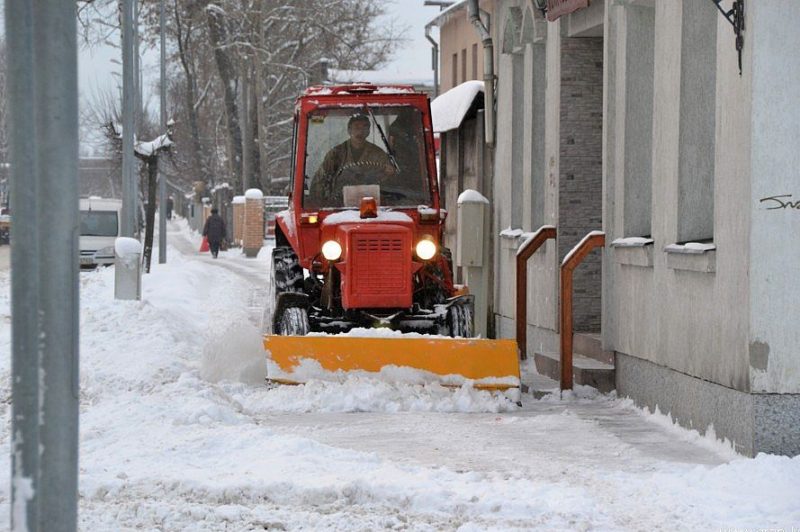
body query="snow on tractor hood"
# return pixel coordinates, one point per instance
(353, 216)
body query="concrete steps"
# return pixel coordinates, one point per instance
(591, 365)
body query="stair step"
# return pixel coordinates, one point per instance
(536, 384)
(591, 345)
(586, 371)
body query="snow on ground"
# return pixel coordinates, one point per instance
(179, 432)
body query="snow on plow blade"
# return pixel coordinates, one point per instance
(489, 364)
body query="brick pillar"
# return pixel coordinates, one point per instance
(238, 219)
(253, 233)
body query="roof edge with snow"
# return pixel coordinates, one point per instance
(449, 109)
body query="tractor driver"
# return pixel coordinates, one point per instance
(356, 151)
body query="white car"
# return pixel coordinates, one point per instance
(100, 226)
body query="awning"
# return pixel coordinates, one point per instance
(450, 108)
(559, 8)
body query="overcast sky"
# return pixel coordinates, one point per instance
(413, 59)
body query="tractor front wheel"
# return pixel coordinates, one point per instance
(293, 322)
(459, 321)
(287, 274)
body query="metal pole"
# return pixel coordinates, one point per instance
(137, 113)
(162, 179)
(45, 262)
(56, 93)
(24, 270)
(128, 163)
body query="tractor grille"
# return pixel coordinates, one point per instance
(381, 269)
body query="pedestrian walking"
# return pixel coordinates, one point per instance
(214, 231)
(170, 204)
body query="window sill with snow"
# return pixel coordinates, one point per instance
(692, 256)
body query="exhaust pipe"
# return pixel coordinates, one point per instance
(488, 69)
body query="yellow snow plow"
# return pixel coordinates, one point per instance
(488, 364)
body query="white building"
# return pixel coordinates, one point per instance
(631, 116)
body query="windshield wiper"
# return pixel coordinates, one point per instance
(383, 138)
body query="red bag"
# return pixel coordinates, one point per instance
(204, 245)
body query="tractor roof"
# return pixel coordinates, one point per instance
(358, 88)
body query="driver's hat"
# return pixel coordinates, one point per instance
(358, 117)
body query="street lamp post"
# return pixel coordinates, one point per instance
(162, 179)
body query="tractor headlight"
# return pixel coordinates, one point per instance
(426, 248)
(331, 250)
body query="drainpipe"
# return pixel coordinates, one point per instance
(434, 59)
(488, 69)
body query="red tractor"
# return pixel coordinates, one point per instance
(361, 243)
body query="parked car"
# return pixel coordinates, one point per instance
(100, 227)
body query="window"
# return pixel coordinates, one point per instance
(347, 158)
(475, 61)
(99, 223)
(463, 65)
(697, 122)
(638, 90)
(455, 70)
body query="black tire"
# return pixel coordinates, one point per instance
(294, 322)
(459, 321)
(287, 274)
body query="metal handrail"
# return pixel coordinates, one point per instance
(528, 248)
(570, 262)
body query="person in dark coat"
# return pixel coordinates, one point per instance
(170, 204)
(214, 231)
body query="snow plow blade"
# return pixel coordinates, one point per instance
(489, 364)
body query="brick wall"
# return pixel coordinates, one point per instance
(238, 223)
(253, 230)
(580, 180)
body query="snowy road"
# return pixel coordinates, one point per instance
(178, 432)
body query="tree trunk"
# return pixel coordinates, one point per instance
(150, 214)
(227, 74)
(247, 132)
(197, 158)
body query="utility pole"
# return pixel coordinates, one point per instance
(129, 200)
(137, 113)
(162, 179)
(43, 91)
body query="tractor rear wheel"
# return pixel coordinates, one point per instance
(293, 322)
(287, 274)
(459, 321)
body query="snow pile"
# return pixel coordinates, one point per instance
(254, 194)
(472, 196)
(365, 394)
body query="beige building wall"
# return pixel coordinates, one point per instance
(460, 51)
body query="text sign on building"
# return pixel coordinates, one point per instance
(559, 8)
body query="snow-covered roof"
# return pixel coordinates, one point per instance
(443, 16)
(381, 77)
(450, 108)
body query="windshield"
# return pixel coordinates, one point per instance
(366, 151)
(98, 223)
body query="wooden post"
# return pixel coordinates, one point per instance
(545, 233)
(568, 265)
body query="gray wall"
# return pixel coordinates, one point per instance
(685, 312)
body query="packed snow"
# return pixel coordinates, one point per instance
(254, 194)
(180, 432)
(352, 216)
(448, 109)
(471, 196)
(691, 248)
(631, 242)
